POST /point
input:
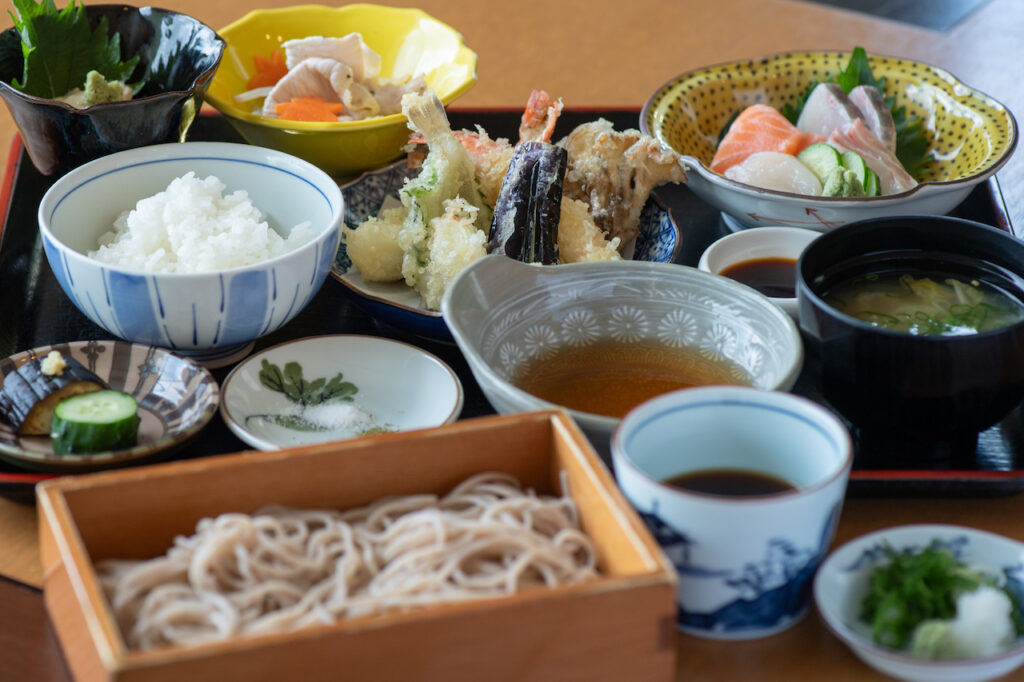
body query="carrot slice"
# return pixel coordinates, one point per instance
(309, 109)
(268, 71)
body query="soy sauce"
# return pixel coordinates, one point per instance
(774, 277)
(729, 482)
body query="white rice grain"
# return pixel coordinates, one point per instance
(193, 227)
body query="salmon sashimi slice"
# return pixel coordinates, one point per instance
(760, 128)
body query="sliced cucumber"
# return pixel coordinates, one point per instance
(855, 162)
(100, 421)
(872, 187)
(822, 159)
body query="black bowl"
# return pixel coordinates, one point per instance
(913, 397)
(178, 56)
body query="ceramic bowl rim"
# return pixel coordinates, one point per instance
(921, 188)
(733, 396)
(306, 127)
(172, 152)
(238, 429)
(831, 616)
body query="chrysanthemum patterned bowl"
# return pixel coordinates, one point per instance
(970, 134)
(397, 304)
(409, 41)
(504, 314)
(176, 400)
(842, 582)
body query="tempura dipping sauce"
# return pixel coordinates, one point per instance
(774, 277)
(611, 377)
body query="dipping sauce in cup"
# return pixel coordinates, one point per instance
(745, 559)
(763, 258)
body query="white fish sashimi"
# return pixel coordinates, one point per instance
(776, 171)
(827, 108)
(313, 77)
(876, 114)
(350, 49)
(892, 177)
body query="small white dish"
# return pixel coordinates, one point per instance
(301, 392)
(756, 244)
(842, 582)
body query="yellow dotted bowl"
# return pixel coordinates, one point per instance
(970, 135)
(409, 41)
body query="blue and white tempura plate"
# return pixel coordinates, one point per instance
(399, 305)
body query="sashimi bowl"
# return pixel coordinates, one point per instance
(408, 43)
(968, 135)
(201, 269)
(176, 54)
(599, 338)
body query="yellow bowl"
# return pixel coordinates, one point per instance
(409, 41)
(970, 134)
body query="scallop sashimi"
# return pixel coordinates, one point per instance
(775, 170)
(759, 128)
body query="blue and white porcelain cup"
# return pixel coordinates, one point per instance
(745, 563)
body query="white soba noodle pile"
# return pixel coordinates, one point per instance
(282, 569)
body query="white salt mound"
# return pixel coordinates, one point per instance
(192, 227)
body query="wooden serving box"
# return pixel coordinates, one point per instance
(620, 626)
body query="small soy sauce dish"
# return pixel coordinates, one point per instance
(915, 396)
(742, 488)
(763, 258)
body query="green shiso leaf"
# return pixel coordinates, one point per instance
(59, 48)
(911, 140)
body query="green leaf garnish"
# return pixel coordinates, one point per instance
(59, 48)
(294, 386)
(916, 586)
(911, 139)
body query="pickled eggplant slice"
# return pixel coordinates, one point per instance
(99, 421)
(525, 224)
(30, 394)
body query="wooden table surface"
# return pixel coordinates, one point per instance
(610, 53)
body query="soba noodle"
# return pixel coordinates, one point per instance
(282, 569)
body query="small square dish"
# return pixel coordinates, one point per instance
(325, 388)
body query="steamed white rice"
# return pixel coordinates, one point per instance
(192, 227)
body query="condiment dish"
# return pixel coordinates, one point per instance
(914, 397)
(842, 583)
(59, 137)
(400, 305)
(767, 245)
(970, 134)
(409, 42)
(505, 315)
(176, 399)
(367, 385)
(212, 316)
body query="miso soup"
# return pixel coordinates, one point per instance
(610, 378)
(926, 305)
